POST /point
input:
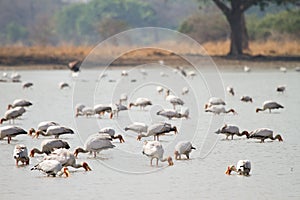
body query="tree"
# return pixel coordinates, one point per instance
(234, 12)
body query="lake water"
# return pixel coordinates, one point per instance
(123, 172)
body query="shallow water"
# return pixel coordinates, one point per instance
(124, 172)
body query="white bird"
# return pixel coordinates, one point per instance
(262, 134)
(43, 126)
(158, 129)
(283, 69)
(27, 85)
(281, 88)
(52, 168)
(78, 108)
(95, 143)
(154, 149)
(66, 158)
(183, 147)
(163, 74)
(143, 72)
(213, 101)
(230, 90)
(15, 77)
(10, 131)
(86, 111)
(247, 69)
(243, 167)
(174, 100)
(118, 108)
(230, 130)
(169, 113)
(112, 133)
(185, 112)
(55, 130)
(137, 127)
(185, 90)
(19, 103)
(269, 105)
(218, 109)
(12, 114)
(101, 109)
(124, 73)
(123, 98)
(63, 85)
(21, 154)
(159, 89)
(246, 99)
(48, 146)
(141, 102)
(191, 74)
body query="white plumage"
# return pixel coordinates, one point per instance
(264, 133)
(137, 127)
(243, 167)
(218, 109)
(246, 99)
(49, 145)
(21, 154)
(174, 100)
(214, 101)
(66, 158)
(20, 103)
(169, 113)
(12, 114)
(269, 105)
(154, 149)
(95, 143)
(158, 129)
(141, 102)
(10, 131)
(112, 133)
(52, 168)
(63, 85)
(230, 90)
(185, 90)
(55, 131)
(183, 147)
(159, 89)
(230, 130)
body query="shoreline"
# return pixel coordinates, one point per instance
(221, 61)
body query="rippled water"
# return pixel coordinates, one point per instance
(124, 172)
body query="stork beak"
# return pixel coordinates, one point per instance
(66, 172)
(228, 171)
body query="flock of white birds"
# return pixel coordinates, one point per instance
(58, 156)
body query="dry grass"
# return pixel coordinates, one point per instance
(62, 54)
(267, 48)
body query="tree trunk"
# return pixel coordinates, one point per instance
(236, 26)
(245, 34)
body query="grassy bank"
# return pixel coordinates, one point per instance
(23, 55)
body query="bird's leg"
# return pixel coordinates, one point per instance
(151, 161)
(8, 139)
(156, 161)
(232, 137)
(157, 137)
(269, 110)
(56, 136)
(17, 162)
(187, 156)
(95, 154)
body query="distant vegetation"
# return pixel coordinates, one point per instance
(277, 26)
(55, 22)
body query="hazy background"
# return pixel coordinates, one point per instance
(86, 22)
